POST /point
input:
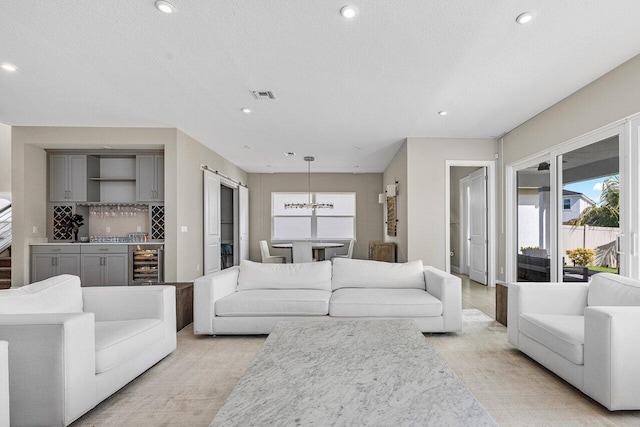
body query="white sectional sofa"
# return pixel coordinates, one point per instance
(72, 347)
(252, 298)
(588, 334)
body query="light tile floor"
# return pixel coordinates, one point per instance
(189, 386)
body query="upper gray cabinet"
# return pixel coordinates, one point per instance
(149, 178)
(68, 178)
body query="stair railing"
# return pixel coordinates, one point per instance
(5, 228)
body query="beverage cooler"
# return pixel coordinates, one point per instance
(146, 264)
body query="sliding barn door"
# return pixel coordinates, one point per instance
(243, 196)
(211, 222)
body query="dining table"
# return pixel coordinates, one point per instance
(318, 248)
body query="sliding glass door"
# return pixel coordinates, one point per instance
(533, 200)
(569, 220)
(589, 235)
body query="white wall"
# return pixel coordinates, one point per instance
(397, 171)
(426, 176)
(612, 97)
(5, 159)
(367, 186)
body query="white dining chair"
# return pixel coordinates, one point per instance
(349, 253)
(302, 252)
(268, 258)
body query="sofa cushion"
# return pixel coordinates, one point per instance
(274, 302)
(608, 289)
(358, 273)
(562, 334)
(384, 303)
(313, 275)
(120, 340)
(59, 294)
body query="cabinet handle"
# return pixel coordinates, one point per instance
(101, 260)
(103, 249)
(55, 250)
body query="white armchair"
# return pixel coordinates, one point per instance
(588, 334)
(72, 347)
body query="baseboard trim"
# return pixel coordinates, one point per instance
(455, 269)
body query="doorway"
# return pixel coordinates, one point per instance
(470, 219)
(226, 222)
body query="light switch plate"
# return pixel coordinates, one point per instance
(138, 229)
(34, 229)
(184, 229)
(108, 229)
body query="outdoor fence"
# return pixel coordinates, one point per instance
(587, 236)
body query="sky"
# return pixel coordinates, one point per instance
(591, 188)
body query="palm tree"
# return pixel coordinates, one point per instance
(607, 212)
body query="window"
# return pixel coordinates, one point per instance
(566, 203)
(307, 224)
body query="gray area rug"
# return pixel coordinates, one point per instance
(350, 372)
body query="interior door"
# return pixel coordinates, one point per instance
(211, 222)
(478, 226)
(243, 196)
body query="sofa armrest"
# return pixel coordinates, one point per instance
(52, 366)
(543, 298)
(131, 302)
(206, 291)
(448, 289)
(4, 384)
(611, 348)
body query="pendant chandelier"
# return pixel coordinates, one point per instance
(309, 204)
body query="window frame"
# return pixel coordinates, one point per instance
(314, 217)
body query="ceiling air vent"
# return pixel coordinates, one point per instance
(263, 94)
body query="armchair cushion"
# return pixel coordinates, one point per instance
(608, 289)
(384, 303)
(60, 294)
(562, 334)
(274, 302)
(255, 275)
(120, 340)
(358, 273)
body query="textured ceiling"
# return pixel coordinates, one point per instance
(348, 92)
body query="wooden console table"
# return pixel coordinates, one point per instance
(184, 303)
(502, 293)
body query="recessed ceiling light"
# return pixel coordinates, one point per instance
(165, 7)
(248, 147)
(246, 110)
(289, 153)
(269, 166)
(8, 67)
(356, 166)
(358, 148)
(443, 113)
(524, 18)
(349, 11)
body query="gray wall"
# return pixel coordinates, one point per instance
(426, 162)
(610, 98)
(368, 211)
(183, 187)
(397, 171)
(5, 158)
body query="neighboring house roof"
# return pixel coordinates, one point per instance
(574, 194)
